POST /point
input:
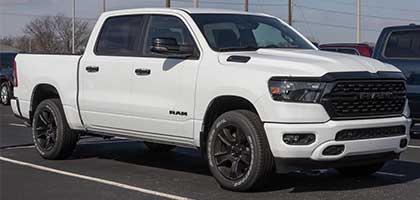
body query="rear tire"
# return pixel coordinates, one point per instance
(156, 147)
(5, 93)
(358, 171)
(52, 136)
(238, 152)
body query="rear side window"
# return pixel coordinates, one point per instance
(120, 36)
(403, 44)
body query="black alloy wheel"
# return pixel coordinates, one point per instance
(46, 129)
(232, 152)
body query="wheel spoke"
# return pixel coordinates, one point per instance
(244, 160)
(234, 169)
(228, 135)
(222, 153)
(223, 159)
(224, 140)
(43, 119)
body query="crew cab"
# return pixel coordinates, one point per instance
(400, 46)
(246, 89)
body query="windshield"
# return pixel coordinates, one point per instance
(233, 32)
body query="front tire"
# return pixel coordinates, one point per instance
(5, 93)
(52, 136)
(238, 152)
(358, 171)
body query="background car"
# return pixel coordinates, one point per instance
(400, 46)
(349, 48)
(6, 76)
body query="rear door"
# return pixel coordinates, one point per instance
(105, 86)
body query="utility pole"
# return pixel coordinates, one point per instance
(246, 5)
(168, 3)
(195, 3)
(290, 12)
(359, 22)
(103, 6)
(73, 27)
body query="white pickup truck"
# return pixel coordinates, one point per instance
(246, 89)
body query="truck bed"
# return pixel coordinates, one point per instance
(59, 71)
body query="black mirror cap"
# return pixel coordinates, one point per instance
(171, 48)
(164, 45)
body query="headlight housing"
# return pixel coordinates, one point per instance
(296, 90)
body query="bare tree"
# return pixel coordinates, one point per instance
(53, 34)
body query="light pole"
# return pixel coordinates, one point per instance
(168, 3)
(359, 22)
(73, 27)
(103, 5)
(195, 3)
(246, 5)
(290, 12)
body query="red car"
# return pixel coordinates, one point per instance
(349, 48)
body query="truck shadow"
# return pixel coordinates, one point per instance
(191, 161)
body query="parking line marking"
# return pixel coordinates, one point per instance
(19, 147)
(391, 174)
(94, 179)
(19, 125)
(412, 146)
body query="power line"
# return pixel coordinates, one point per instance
(233, 3)
(353, 14)
(335, 25)
(347, 3)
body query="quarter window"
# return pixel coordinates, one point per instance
(120, 36)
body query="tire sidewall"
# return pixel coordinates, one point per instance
(50, 105)
(250, 177)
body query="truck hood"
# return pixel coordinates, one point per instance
(290, 62)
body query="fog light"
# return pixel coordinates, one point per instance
(299, 139)
(333, 150)
(403, 143)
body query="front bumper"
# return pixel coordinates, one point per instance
(325, 137)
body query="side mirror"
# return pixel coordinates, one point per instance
(170, 47)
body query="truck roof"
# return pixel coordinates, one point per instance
(188, 10)
(410, 26)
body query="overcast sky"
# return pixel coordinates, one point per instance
(322, 20)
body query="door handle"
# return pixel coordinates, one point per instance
(142, 72)
(92, 69)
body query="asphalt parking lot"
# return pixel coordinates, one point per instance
(124, 169)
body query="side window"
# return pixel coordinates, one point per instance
(165, 26)
(120, 36)
(403, 44)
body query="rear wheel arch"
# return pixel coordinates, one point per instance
(40, 93)
(217, 107)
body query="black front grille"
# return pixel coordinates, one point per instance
(370, 133)
(362, 99)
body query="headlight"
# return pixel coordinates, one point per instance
(296, 90)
